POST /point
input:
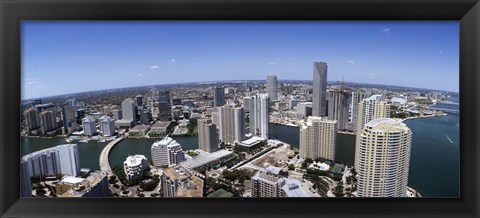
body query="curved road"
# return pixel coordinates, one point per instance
(104, 164)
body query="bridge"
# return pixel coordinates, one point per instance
(450, 111)
(103, 161)
(448, 102)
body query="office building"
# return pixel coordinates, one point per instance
(259, 115)
(117, 114)
(218, 96)
(69, 114)
(89, 126)
(338, 106)
(32, 119)
(180, 182)
(384, 157)
(128, 110)
(292, 103)
(107, 110)
(61, 159)
(207, 135)
(231, 124)
(139, 101)
(80, 115)
(318, 138)
(369, 109)
(319, 101)
(134, 166)
(45, 107)
(304, 108)
(107, 126)
(167, 152)
(164, 106)
(272, 85)
(160, 128)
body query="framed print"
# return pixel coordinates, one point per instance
(242, 109)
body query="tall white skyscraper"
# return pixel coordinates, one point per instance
(61, 159)
(128, 110)
(259, 115)
(32, 119)
(247, 101)
(317, 138)
(355, 99)
(384, 157)
(272, 85)
(369, 109)
(319, 101)
(207, 135)
(231, 124)
(167, 152)
(48, 121)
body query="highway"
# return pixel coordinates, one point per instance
(104, 164)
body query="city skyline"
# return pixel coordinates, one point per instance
(129, 54)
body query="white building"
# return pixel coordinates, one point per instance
(167, 152)
(107, 126)
(134, 166)
(89, 126)
(304, 108)
(383, 159)
(61, 159)
(128, 114)
(269, 184)
(259, 115)
(25, 183)
(318, 138)
(369, 109)
(272, 86)
(231, 124)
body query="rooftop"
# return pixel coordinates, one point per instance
(292, 188)
(140, 127)
(273, 169)
(387, 124)
(191, 186)
(134, 160)
(161, 124)
(204, 157)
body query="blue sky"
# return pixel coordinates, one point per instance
(72, 56)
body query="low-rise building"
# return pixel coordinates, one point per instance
(160, 128)
(180, 182)
(270, 184)
(139, 131)
(135, 166)
(95, 185)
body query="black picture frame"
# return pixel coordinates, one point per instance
(12, 12)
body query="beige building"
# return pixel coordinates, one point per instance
(95, 185)
(317, 138)
(370, 109)
(270, 184)
(207, 135)
(384, 157)
(231, 124)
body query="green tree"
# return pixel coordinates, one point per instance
(291, 167)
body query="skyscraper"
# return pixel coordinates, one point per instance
(25, 183)
(355, 99)
(164, 105)
(128, 110)
(69, 114)
(259, 115)
(61, 159)
(384, 158)
(231, 124)
(272, 85)
(369, 109)
(338, 106)
(207, 135)
(139, 101)
(317, 138)
(218, 97)
(48, 121)
(32, 119)
(319, 102)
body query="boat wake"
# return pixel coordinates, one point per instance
(448, 138)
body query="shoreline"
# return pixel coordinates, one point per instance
(424, 116)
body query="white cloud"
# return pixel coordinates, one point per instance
(350, 62)
(272, 63)
(172, 60)
(386, 31)
(140, 74)
(154, 67)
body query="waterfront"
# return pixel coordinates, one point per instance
(434, 164)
